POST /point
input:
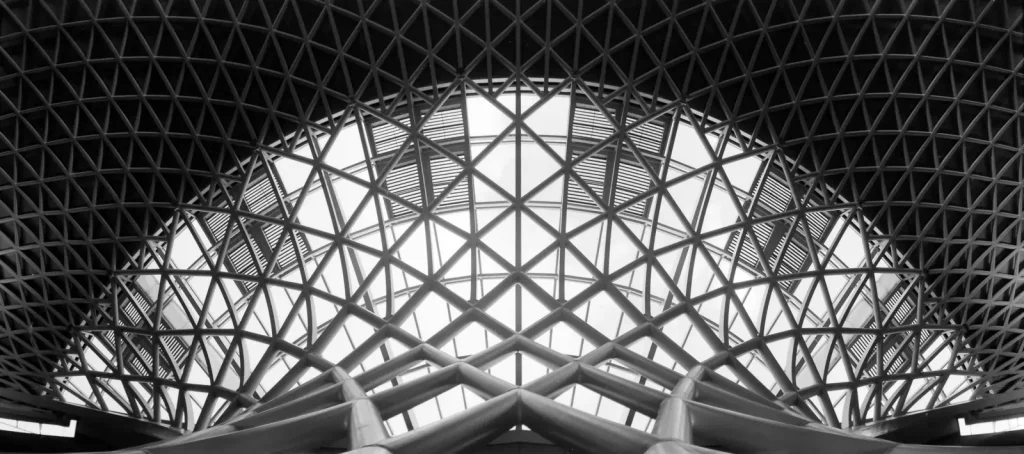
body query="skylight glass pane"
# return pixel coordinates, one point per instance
(599, 225)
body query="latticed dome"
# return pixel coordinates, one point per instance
(520, 228)
(616, 227)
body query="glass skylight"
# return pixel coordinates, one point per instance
(989, 427)
(37, 428)
(465, 222)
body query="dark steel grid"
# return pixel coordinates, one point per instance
(937, 98)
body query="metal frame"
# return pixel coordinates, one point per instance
(767, 224)
(331, 413)
(211, 108)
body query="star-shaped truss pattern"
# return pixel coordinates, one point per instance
(205, 203)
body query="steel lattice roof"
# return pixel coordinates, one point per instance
(127, 127)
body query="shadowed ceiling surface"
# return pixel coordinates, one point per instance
(116, 115)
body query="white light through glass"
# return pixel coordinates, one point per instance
(573, 228)
(988, 427)
(37, 428)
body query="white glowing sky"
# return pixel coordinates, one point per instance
(329, 199)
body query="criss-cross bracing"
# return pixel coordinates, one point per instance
(207, 203)
(583, 223)
(332, 413)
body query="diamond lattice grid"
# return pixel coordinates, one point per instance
(575, 221)
(889, 125)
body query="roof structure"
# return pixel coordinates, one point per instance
(204, 204)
